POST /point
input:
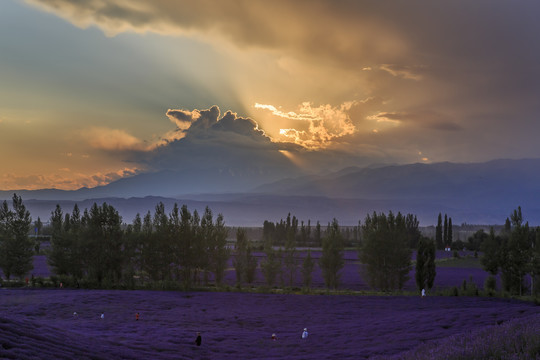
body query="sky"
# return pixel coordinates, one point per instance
(94, 90)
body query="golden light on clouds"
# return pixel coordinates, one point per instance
(303, 115)
(314, 127)
(385, 117)
(298, 69)
(68, 180)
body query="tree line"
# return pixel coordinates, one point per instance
(186, 248)
(181, 246)
(304, 233)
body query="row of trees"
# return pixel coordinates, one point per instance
(443, 233)
(185, 247)
(304, 233)
(281, 263)
(180, 246)
(386, 250)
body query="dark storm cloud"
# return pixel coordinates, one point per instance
(206, 124)
(217, 142)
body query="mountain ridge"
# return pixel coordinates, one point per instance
(478, 193)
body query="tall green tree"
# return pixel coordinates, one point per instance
(270, 265)
(163, 226)
(154, 239)
(198, 246)
(491, 248)
(439, 233)
(385, 251)
(516, 254)
(102, 238)
(425, 264)
(149, 255)
(59, 257)
(184, 247)
(132, 250)
(413, 233)
(535, 262)
(244, 262)
(450, 232)
(332, 261)
(219, 252)
(445, 231)
(289, 259)
(512, 253)
(76, 254)
(307, 270)
(317, 237)
(16, 247)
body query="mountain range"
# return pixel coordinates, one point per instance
(473, 193)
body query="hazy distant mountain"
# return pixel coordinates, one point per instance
(440, 180)
(481, 193)
(476, 192)
(517, 181)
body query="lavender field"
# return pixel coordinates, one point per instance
(40, 324)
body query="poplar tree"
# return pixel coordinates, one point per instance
(184, 255)
(307, 270)
(102, 242)
(16, 248)
(61, 246)
(445, 231)
(219, 252)
(317, 235)
(290, 255)
(439, 233)
(450, 233)
(425, 264)
(331, 261)
(270, 266)
(244, 262)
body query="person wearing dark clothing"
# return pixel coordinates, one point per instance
(198, 340)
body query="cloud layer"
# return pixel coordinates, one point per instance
(329, 83)
(447, 65)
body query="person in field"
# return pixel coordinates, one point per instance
(423, 292)
(305, 334)
(198, 340)
(274, 337)
(136, 316)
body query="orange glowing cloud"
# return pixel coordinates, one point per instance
(324, 123)
(66, 181)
